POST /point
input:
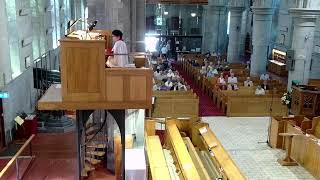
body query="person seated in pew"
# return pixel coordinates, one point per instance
(170, 74)
(265, 85)
(260, 91)
(222, 82)
(194, 63)
(265, 77)
(156, 87)
(169, 83)
(248, 82)
(203, 70)
(157, 74)
(212, 72)
(232, 82)
(182, 87)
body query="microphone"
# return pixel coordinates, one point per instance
(92, 25)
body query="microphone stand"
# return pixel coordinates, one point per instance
(270, 119)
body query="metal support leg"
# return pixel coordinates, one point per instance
(17, 169)
(119, 116)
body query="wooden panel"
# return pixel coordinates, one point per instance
(114, 92)
(150, 127)
(177, 106)
(82, 70)
(138, 88)
(158, 166)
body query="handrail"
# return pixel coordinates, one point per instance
(15, 157)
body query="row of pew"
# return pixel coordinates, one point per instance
(242, 102)
(191, 151)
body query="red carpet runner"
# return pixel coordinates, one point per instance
(206, 106)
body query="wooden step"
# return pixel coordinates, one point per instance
(88, 167)
(90, 121)
(98, 146)
(93, 161)
(84, 173)
(96, 153)
(91, 130)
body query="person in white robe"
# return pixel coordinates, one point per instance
(120, 51)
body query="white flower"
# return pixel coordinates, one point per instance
(287, 102)
(283, 98)
(285, 94)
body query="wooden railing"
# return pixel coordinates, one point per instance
(16, 156)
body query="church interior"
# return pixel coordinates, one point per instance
(160, 89)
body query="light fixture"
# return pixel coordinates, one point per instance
(193, 14)
(166, 13)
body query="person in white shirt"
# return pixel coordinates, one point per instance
(232, 82)
(248, 82)
(260, 91)
(157, 74)
(181, 86)
(265, 77)
(221, 82)
(203, 70)
(120, 51)
(169, 83)
(156, 87)
(170, 74)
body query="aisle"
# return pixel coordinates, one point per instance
(206, 106)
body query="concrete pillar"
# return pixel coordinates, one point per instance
(243, 32)
(262, 21)
(234, 34)
(304, 22)
(126, 15)
(214, 28)
(208, 29)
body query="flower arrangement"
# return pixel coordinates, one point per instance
(286, 99)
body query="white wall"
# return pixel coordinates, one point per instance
(44, 22)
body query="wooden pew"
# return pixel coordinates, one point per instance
(205, 139)
(157, 163)
(253, 106)
(279, 125)
(305, 149)
(180, 153)
(196, 159)
(314, 82)
(176, 106)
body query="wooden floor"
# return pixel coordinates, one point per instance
(56, 159)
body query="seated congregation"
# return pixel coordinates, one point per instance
(231, 88)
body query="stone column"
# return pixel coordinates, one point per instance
(304, 22)
(234, 34)
(208, 29)
(262, 21)
(215, 26)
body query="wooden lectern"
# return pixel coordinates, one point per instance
(86, 85)
(288, 161)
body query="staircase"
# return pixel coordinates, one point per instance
(94, 146)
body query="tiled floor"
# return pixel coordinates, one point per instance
(244, 139)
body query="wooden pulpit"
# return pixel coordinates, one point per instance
(87, 85)
(306, 101)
